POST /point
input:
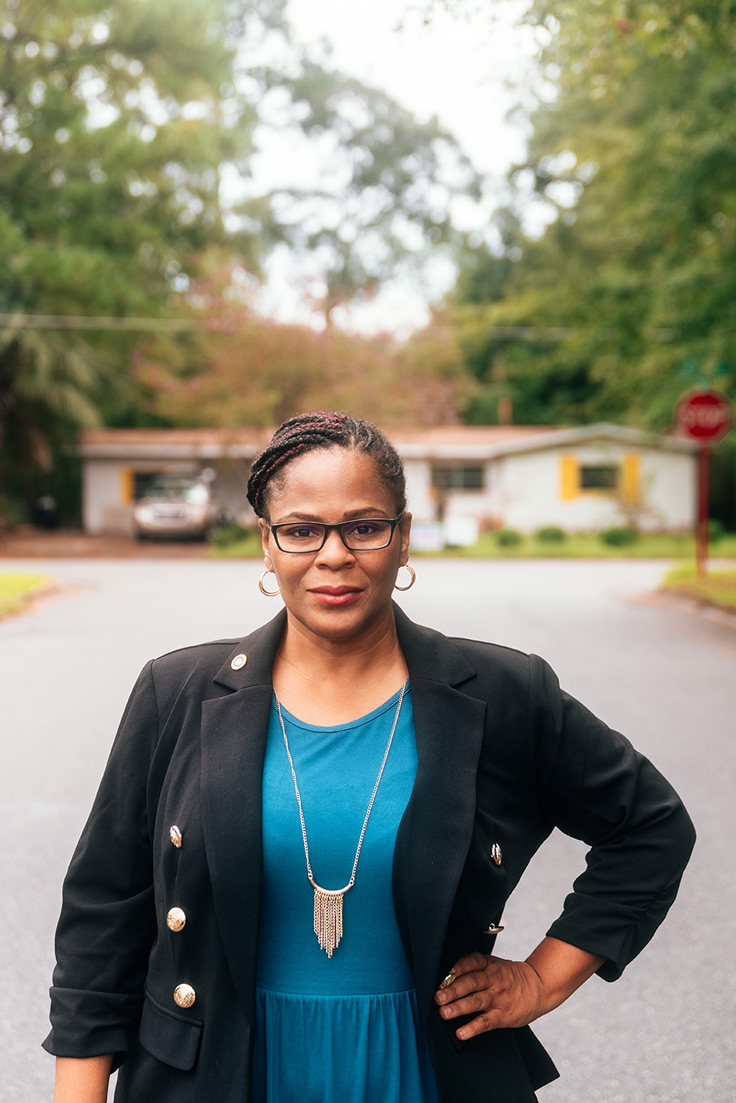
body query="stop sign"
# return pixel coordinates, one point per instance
(705, 415)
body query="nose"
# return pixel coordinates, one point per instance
(333, 552)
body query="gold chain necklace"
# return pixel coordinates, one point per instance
(328, 902)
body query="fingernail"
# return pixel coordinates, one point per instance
(462, 1033)
(447, 981)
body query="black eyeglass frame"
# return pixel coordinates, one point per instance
(392, 521)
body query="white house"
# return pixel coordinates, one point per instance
(522, 477)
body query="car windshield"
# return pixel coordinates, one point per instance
(177, 490)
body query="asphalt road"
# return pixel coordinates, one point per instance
(664, 675)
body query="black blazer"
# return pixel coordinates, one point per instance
(503, 757)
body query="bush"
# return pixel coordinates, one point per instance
(551, 534)
(619, 537)
(11, 513)
(716, 531)
(508, 538)
(225, 535)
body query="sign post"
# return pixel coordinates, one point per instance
(705, 416)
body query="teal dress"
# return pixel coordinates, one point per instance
(344, 1029)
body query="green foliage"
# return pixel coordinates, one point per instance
(629, 297)
(232, 533)
(508, 538)
(10, 513)
(716, 588)
(120, 126)
(619, 537)
(17, 590)
(551, 534)
(381, 208)
(716, 531)
(114, 121)
(246, 546)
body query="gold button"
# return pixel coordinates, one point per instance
(176, 919)
(239, 662)
(175, 835)
(493, 929)
(496, 854)
(184, 995)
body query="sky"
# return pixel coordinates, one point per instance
(467, 70)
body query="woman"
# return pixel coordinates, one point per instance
(294, 872)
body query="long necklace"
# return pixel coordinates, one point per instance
(328, 902)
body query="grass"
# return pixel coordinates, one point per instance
(589, 546)
(245, 547)
(574, 546)
(715, 588)
(16, 590)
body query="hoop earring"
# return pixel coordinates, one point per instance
(262, 588)
(413, 574)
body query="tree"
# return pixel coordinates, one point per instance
(629, 297)
(381, 206)
(239, 368)
(115, 121)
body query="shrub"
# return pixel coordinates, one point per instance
(716, 531)
(225, 535)
(11, 513)
(619, 537)
(551, 534)
(508, 538)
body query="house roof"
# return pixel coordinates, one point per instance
(437, 442)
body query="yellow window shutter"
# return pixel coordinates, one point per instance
(631, 480)
(127, 485)
(569, 478)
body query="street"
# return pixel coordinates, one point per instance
(662, 674)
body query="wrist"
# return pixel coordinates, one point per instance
(561, 969)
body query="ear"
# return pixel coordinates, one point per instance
(405, 530)
(265, 543)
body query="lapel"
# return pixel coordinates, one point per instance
(233, 740)
(435, 831)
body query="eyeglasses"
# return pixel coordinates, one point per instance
(365, 534)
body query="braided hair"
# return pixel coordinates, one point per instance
(307, 432)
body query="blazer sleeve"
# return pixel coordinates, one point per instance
(595, 786)
(107, 922)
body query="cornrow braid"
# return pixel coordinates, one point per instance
(307, 432)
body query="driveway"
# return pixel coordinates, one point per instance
(665, 676)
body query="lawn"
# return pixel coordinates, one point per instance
(576, 546)
(16, 590)
(714, 588)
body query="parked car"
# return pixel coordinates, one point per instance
(175, 507)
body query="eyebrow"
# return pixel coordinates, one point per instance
(352, 515)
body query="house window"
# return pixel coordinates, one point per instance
(458, 476)
(600, 476)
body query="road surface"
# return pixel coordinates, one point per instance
(664, 675)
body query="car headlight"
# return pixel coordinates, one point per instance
(197, 514)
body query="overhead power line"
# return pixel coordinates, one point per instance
(84, 321)
(173, 325)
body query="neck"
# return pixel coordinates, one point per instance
(327, 681)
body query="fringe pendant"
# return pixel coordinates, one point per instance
(328, 902)
(328, 918)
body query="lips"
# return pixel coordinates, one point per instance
(336, 595)
(335, 591)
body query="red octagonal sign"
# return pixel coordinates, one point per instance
(705, 415)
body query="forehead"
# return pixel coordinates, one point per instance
(329, 481)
